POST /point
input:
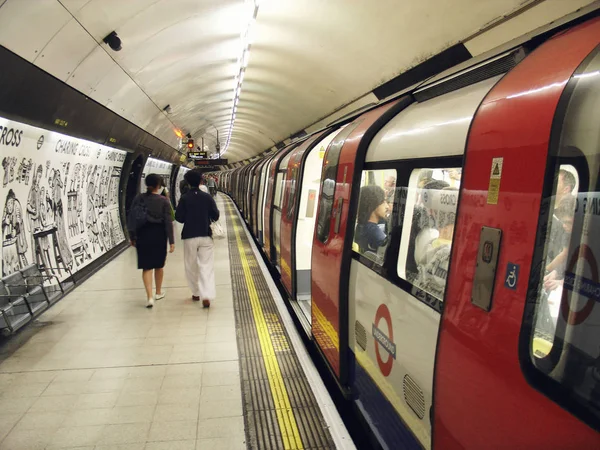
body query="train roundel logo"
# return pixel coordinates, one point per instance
(583, 286)
(384, 341)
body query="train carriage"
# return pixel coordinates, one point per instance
(451, 285)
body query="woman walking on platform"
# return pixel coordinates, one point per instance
(196, 210)
(150, 225)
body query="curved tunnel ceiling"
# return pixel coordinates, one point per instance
(308, 58)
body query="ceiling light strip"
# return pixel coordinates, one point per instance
(247, 37)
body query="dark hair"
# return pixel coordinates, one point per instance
(184, 186)
(568, 178)
(370, 198)
(193, 177)
(436, 184)
(153, 181)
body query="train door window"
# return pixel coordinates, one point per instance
(276, 215)
(374, 215)
(558, 237)
(428, 227)
(562, 326)
(278, 188)
(291, 199)
(328, 181)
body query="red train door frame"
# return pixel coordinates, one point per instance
(288, 224)
(331, 259)
(271, 188)
(478, 369)
(255, 197)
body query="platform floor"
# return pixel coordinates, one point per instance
(101, 371)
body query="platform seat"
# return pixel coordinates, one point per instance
(14, 312)
(33, 293)
(51, 285)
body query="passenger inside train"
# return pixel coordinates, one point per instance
(561, 227)
(432, 227)
(373, 210)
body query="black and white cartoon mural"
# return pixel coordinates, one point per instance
(14, 236)
(159, 167)
(60, 206)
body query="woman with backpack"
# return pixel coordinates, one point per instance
(150, 225)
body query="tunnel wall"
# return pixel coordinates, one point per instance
(60, 199)
(38, 104)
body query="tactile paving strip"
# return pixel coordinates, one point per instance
(280, 410)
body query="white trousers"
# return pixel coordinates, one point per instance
(200, 266)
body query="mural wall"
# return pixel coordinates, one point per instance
(180, 174)
(60, 195)
(159, 167)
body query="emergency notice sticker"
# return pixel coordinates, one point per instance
(494, 186)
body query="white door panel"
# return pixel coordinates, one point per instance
(413, 340)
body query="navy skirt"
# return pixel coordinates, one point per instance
(151, 245)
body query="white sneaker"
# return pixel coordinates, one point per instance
(150, 303)
(159, 296)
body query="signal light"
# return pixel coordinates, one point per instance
(190, 143)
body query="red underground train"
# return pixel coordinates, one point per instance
(438, 249)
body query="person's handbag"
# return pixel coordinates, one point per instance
(217, 230)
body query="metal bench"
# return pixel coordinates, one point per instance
(33, 293)
(34, 277)
(14, 311)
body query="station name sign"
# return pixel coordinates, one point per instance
(197, 155)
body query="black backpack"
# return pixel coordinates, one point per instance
(138, 216)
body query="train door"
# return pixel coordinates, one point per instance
(256, 196)
(243, 189)
(518, 357)
(280, 182)
(330, 255)
(252, 195)
(402, 234)
(271, 190)
(288, 208)
(262, 198)
(246, 191)
(300, 224)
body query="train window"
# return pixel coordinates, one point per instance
(291, 201)
(558, 237)
(374, 215)
(278, 188)
(562, 322)
(428, 226)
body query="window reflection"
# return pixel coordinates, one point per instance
(427, 241)
(557, 251)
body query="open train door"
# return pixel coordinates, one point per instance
(332, 242)
(518, 355)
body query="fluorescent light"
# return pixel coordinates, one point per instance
(245, 58)
(242, 76)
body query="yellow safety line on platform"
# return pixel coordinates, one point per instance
(285, 415)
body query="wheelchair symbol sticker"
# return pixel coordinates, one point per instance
(512, 276)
